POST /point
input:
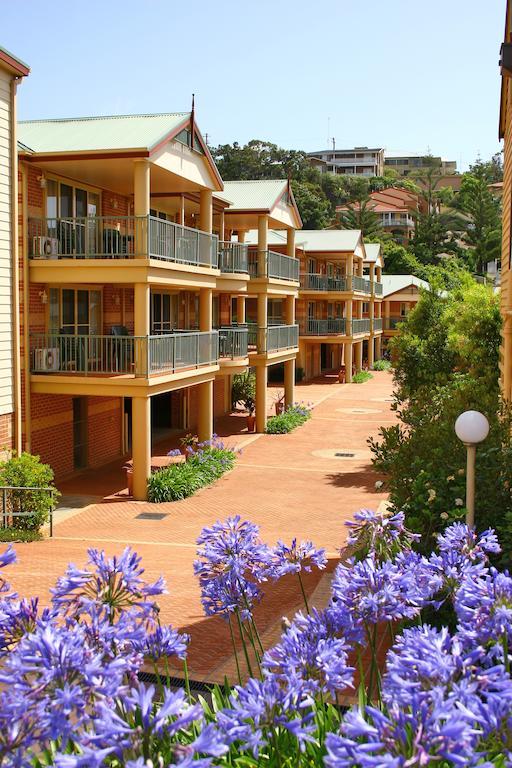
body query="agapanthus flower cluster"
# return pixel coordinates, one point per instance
(7, 557)
(379, 533)
(483, 603)
(233, 561)
(295, 558)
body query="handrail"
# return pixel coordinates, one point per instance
(317, 282)
(136, 355)
(9, 512)
(273, 265)
(330, 326)
(233, 257)
(360, 325)
(233, 342)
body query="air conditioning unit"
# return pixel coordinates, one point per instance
(45, 247)
(46, 359)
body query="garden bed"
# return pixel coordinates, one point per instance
(293, 417)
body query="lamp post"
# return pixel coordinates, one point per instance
(471, 428)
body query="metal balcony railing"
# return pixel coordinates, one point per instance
(360, 325)
(233, 257)
(377, 289)
(331, 326)
(233, 342)
(360, 284)
(274, 265)
(314, 282)
(120, 237)
(377, 324)
(136, 355)
(281, 337)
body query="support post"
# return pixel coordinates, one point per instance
(289, 383)
(141, 205)
(205, 210)
(371, 351)
(348, 362)
(262, 245)
(205, 309)
(262, 323)
(290, 242)
(205, 420)
(240, 309)
(470, 484)
(359, 356)
(141, 426)
(261, 398)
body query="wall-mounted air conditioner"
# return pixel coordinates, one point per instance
(45, 247)
(46, 359)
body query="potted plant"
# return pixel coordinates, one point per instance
(341, 375)
(250, 407)
(279, 403)
(187, 444)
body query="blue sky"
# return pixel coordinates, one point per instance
(402, 74)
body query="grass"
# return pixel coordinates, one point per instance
(16, 534)
(179, 481)
(293, 417)
(361, 377)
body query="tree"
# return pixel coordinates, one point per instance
(490, 171)
(263, 160)
(482, 209)
(314, 208)
(360, 215)
(399, 261)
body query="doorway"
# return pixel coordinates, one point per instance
(325, 357)
(79, 432)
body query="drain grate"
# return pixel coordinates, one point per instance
(343, 455)
(151, 516)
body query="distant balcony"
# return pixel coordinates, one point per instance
(330, 327)
(273, 265)
(316, 282)
(121, 237)
(121, 355)
(396, 222)
(361, 285)
(233, 257)
(377, 288)
(377, 324)
(274, 338)
(233, 342)
(360, 326)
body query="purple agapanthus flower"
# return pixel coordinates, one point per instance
(483, 604)
(310, 653)
(232, 559)
(162, 642)
(294, 559)
(7, 557)
(379, 533)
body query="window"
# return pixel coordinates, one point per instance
(311, 310)
(330, 310)
(366, 306)
(75, 312)
(275, 315)
(403, 310)
(66, 201)
(164, 313)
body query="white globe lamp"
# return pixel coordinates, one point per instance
(471, 428)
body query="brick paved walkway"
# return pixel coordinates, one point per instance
(291, 485)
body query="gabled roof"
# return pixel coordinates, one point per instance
(396, 283)
(257, 195)
(13, 64)
(311, 240)
(107, 133)
(372, 252)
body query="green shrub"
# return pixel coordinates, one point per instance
(27, 471)
(361, 377)
(15, 534)
(381, 365)
(289, 420)
(179, 481)
(243, 387)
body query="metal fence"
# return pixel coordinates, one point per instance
(377, 287)
(273, 264)
(313, 327)
(281, 337)
(233, 342)
(137, 355)
(173, 242)
(314, 282)
(377, 324)
(18, 503)
(360, 284)
(233, 257)
(360, 325)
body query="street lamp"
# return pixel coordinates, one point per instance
(471, 428)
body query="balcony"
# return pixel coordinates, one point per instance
(273, 265)
(377, 324)
(233, 257)
(330, 327)
(316, 282)
(121, 237)
(138, 356)
(394, 221)
(360, 284)
(391, 323)
(377, 289)
(360, 326)
(274, 338)
(233, 342)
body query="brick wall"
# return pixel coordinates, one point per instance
(6, 432)
(218, 396)
(104, 430)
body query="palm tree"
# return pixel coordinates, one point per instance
(360, 215)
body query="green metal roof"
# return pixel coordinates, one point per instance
(115, 132)
(258, 195)
(395, 283)
(330, 240)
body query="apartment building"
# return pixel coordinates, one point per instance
(396, 210)
(338, 309)
(358, 161)
(12, 70)
(505, 133)
(406, 163)
(130, 281)
(400, 294)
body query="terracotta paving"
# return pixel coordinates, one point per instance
(290, 485)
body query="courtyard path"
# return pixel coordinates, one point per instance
(302, 485)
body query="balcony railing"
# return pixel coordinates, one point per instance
(274, 265)
(331, 326)
(136, 355)
(233, 257)
(315, 282)
(377, 289)
(281, 337)
(360, 326)
(120, 237)
(233, 342)
(395, 222)
(377, 324)
(361, 285)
